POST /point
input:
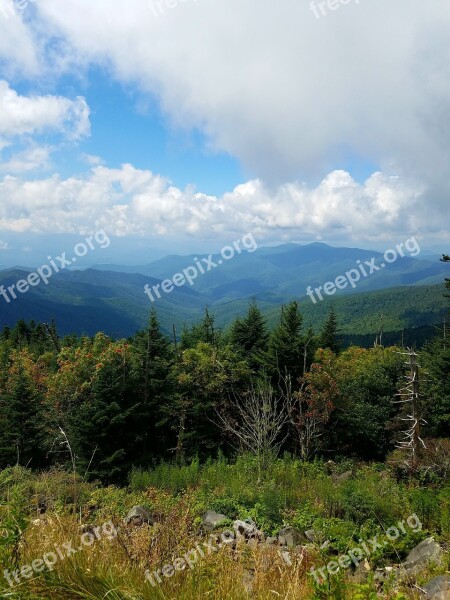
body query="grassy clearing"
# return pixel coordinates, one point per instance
(346, 502)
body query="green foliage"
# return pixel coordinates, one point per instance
(22, 434)
(328, 336)
(172, 478)
(249, 336)
(285, 355)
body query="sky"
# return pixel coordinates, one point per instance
(177, 126)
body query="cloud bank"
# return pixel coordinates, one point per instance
(290, 96)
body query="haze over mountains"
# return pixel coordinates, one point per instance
(407, 293)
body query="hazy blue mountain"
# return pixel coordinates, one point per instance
(287, 270)
(113, 300)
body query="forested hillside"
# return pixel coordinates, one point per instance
(295, 443)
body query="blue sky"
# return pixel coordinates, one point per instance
(181, 131)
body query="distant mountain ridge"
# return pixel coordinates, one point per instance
(410, 292)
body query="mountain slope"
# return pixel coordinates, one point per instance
(90, 301)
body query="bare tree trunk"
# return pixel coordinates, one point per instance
(410, 395)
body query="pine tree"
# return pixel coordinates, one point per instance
(328, 336)
(155, 360)
(285, 355)
(102, 428)
(21, 432)
(249, 336)
(205, 332)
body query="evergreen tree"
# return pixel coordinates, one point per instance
(205, 377)
(285, 355)
(103, 427)
(328, 336)
(205, 332)
(446, 258)
(22, 428)
(155, 360)
(249, 336)
(436, 361)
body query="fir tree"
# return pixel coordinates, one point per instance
(102, 429)
(249, 336)
(155, 360)
(22, 435)
(203, 332)
(285, 355)
(328, 336)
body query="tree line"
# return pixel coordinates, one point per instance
(102, 406)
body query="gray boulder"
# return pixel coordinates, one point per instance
(316, 537)
(245, 529)
(137, 516)
(211, 519)
(342, 477)
(438, 588)
(424, 554)
(286, 558)
(248, 530)
(271, 541)
(291, 537)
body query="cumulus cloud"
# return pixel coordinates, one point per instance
(19, 54)
(276, 87)
(130, 202)
(21, 115)
(285, 93)
(91, 159)
(31, 159)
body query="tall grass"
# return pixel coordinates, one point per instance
(343, 509)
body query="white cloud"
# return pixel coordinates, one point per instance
(277, 88)
(18, 50)
(21, 115)
(31, 159)
(91, 159)
(287, 94)
(4, 245)
(133, 202)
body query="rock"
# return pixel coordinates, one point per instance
(362, 571)
(342, 477)
(286, 558)
(245, 529)
(253, 542)
(426, 553)
(291, 537)
(247, 580)
(271, 541)
(438, 588)
(316, 537)
(137, 516)
(211, 519)
(300, 551)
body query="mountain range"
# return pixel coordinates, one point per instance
(406, 294)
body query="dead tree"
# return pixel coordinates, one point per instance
(410, 396)
(257, 420)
